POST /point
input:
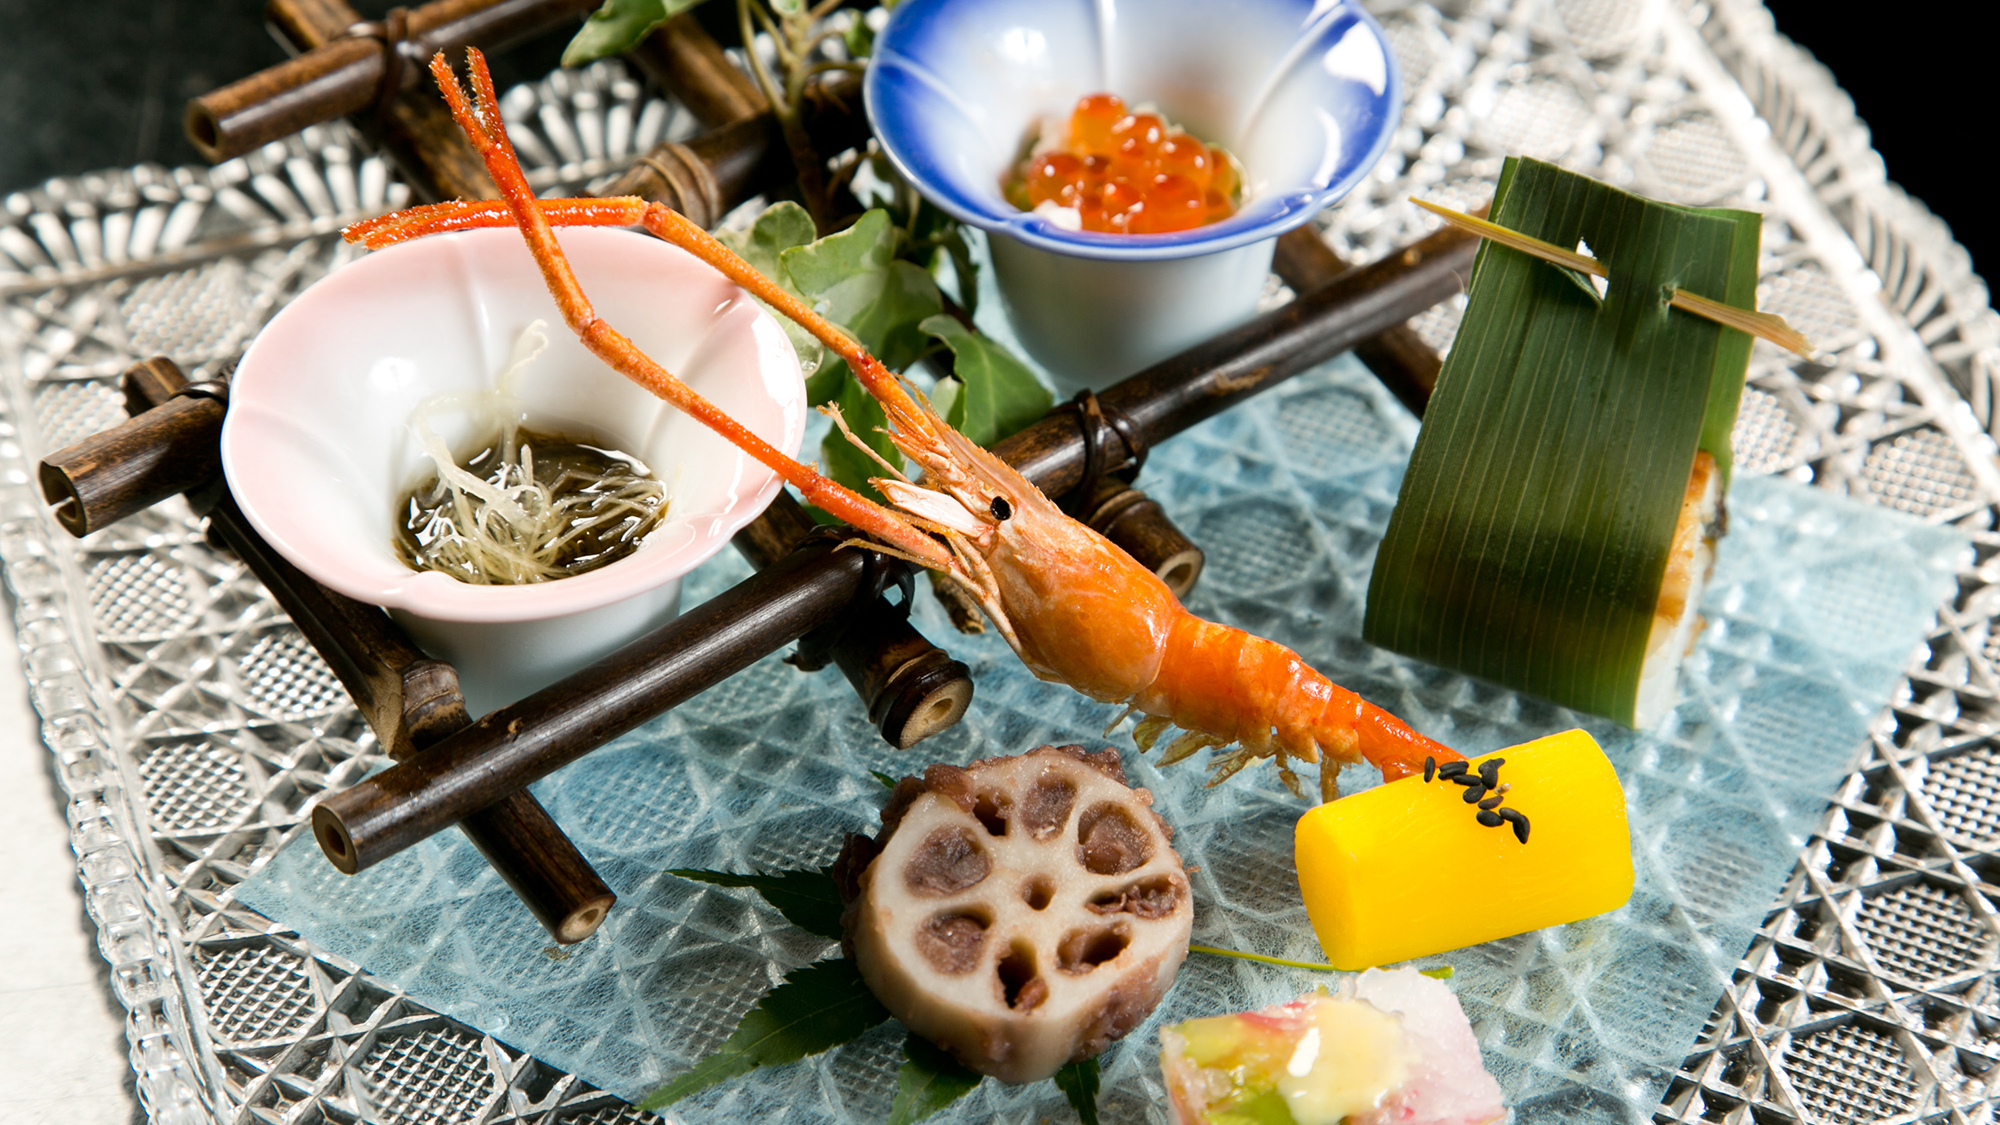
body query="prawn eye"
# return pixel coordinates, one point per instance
(1001, 509)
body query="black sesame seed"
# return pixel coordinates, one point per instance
(1490, 820)
(1489, 771)
(1492, 802)
(1520, 823)
(1475, 794)
(1451, 769)
(1466, 779)
(1430, 769)
(1001, 509)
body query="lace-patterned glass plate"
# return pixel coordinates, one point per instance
(191, 727)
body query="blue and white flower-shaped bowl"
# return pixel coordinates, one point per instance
(1305, 94)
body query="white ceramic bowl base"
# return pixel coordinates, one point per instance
(1091, 321)
(499, 662)
(318, 451)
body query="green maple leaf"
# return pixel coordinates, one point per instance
(1078, 1082)
(929, 1081)
(809, 900)
(817, 1008)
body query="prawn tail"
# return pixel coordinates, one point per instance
(1352, 728)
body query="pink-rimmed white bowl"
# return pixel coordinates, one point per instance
(318, 451)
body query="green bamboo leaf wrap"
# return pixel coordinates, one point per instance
(1531, 536)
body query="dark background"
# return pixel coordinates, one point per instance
(85, 86)
(1926, 79)
(103, 83)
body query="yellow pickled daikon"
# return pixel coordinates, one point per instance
(1407, 868)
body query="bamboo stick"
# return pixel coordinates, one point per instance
(685, 60)
(345, 74)
(415, 128)
(513, 747)
(1398, 357)
(411, 701)
(163, 451)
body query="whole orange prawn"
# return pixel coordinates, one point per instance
(1074, 607)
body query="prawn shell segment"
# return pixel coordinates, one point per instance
(1023, 912)
(1083, 612)
(1406, 869)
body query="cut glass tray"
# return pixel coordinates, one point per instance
(192, 726)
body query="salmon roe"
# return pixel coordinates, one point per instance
(1128, 173)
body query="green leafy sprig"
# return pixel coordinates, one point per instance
(618, 27)
(859, 279)
(873, 278)
(819, 1007)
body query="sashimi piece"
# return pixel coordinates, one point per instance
(1390, 1046)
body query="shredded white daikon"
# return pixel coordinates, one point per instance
(506, 525)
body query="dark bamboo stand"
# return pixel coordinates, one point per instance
(410, 701)
(342, 74)
(808, 588)
(1398, 357)
(513, 747)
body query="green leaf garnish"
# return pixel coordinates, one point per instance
(824, 385)
(996, 393)
(929, 1081)
(887, 781)
(809, 900)
(1078, 1082)
(965, 271)
(780, 227)
(860, 38)
(855, 279)
(1442, 972)
(618, 27)
(819, 1007)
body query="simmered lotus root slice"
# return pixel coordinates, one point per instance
(1023, 912)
